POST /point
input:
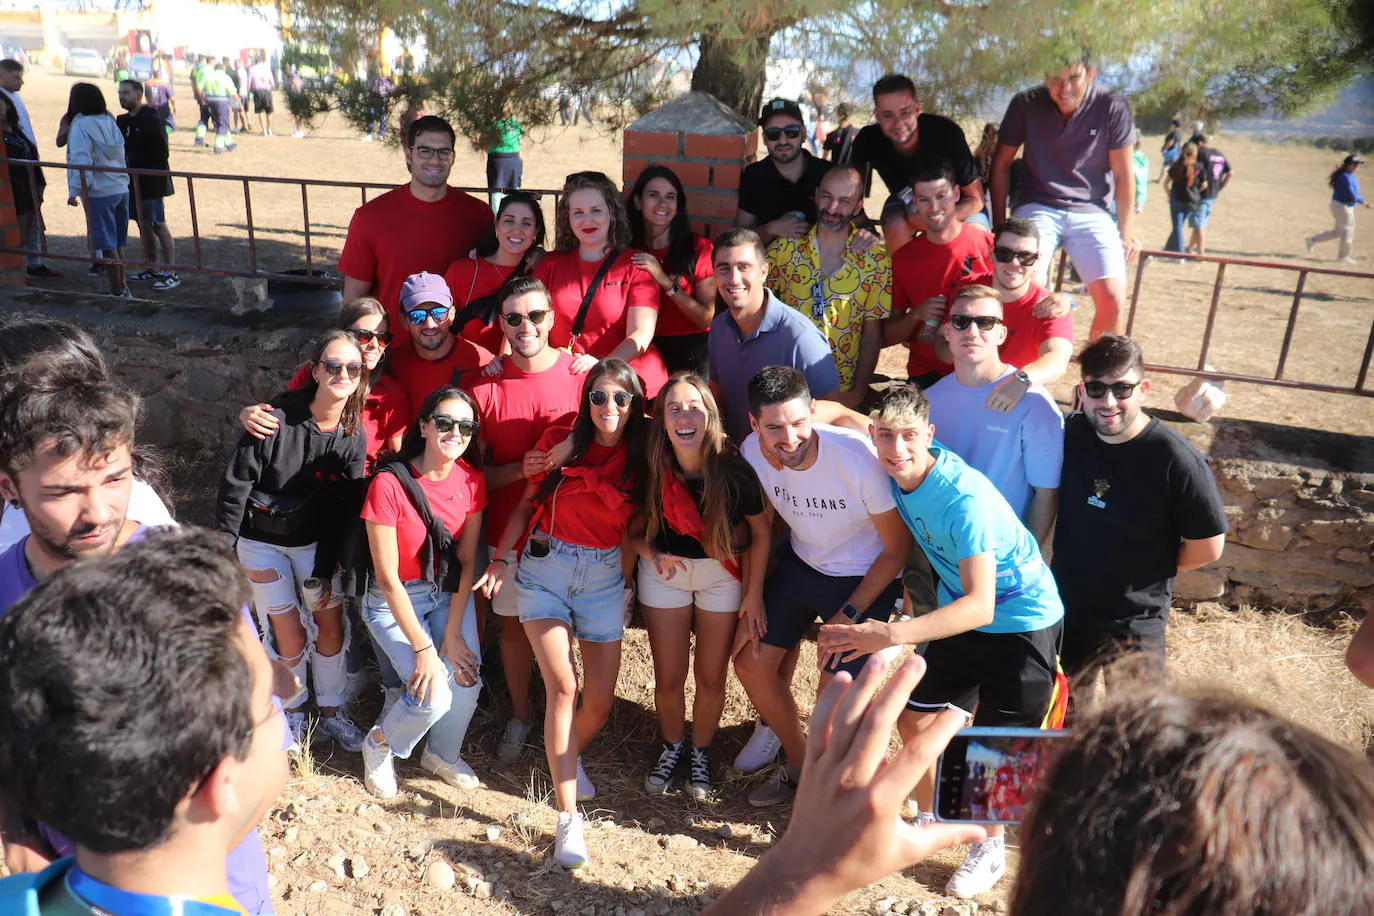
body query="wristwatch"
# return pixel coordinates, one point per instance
(1023, 378)
(850, 611)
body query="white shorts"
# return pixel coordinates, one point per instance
(1092, 241)
(503, 603)
(704, 583)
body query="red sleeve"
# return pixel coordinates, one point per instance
(1047, 328)
(359, 257)
(477, 484)
(543, 271)
(300, 378)
(644, 292)
(704, 268)
(385, 500)
(900, 300)
(458, 279)
(551, 437)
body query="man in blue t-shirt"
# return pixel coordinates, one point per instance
(994, 635)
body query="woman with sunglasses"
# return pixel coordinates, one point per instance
(506, 252)
(679, 260)
(592, 263)
(281, 498)
(384, 405)
(569, 582)
(702, 501)
(418, 606)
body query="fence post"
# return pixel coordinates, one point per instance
(12, 272)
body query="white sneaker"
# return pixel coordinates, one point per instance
(512, 743)
(569, 845)
(761, 750)
(379, 771)
(984, 866)
(390, 696)
(343, 730)
(459, 775)
(299, 724)
(586, 791)
(298, 134)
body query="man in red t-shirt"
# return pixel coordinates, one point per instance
(927, 270)
(535, 390)
(436, 356)
(421, 226)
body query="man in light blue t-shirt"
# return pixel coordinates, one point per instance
(994, 635)
(1021, 451)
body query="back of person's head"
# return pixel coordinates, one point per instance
(776, 385)
(71, 415)
(429, 124)
(1111, 355)
(86, 99)
(1202, 805)
(124, 684)
(33, 348)
(901, 405)
(842, 112)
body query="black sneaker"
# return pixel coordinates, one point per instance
(44, 272)
(698, 772)
(147, 275)
(662, 773)
(167, 281)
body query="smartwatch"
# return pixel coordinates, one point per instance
(850, 611)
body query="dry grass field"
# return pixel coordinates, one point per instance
(334, 850)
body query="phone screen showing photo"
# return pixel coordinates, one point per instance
(990, 775)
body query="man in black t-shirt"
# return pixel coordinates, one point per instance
(145, 147)
(901, 137)
(838, 142)
(1137, 505)
(1218, 170)
(777, 195)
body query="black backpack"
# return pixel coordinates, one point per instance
(355, 554)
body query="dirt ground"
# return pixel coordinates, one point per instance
(334, 850)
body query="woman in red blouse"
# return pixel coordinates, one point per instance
(679, 260)
(569, 581)
(622, 317)
(505, 252)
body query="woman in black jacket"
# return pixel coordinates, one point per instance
(280, 499)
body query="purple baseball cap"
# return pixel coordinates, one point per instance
(424, 287)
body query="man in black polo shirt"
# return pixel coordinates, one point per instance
(892, 147)
(777, 195)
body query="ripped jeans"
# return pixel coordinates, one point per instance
(277, 601)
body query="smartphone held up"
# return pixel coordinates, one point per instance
(991, 775)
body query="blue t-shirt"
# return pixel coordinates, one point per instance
(957, 513)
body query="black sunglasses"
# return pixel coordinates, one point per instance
(599, 398)
(445, 424)
(515, 319)
(366, 337)
(791, 132)
(334, 367)
(985, 322)
(418, 316)
(1121, 390)
(1007, 255)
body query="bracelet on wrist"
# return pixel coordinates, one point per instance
(429, 645)
(502, 560)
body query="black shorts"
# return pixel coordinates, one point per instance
(999, 678)
(797, 595)
(504, 171)
(1093, 644)
(262, 101)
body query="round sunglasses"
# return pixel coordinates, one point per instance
(515, 319)
(599, 398)
(334, 367)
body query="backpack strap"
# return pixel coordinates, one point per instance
(439, 545)
(592, 287)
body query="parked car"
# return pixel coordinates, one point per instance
(83, 62)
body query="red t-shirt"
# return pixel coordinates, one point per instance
(1025, 332)
(516, 408)
(671, 321)
(396, 235)
(452, 500)
(922, 269)
(385, 411)
(624, 287)
(418, 377)
(578, 515)
(472, 277)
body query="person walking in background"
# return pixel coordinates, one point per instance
(1171, 149)
(1141, 164)
(1345, 195)
(145, 147)
(219, 92)
(1187, 183)
(93, 139)
(504, 168)
(1217, 168)
(261, 82)
(159, 95)
(840, 141)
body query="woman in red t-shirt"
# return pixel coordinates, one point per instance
(504, 253)
(622, 317)
(570, 582)
(679, 260)
(418, 606)
(384, 410)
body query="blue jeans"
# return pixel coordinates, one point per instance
(1178, 215)
(446, 716)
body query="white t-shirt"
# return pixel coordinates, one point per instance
(1016, 451)
(828, 505)
(144, 507)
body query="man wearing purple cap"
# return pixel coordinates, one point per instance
(777, 195)
(436, 357)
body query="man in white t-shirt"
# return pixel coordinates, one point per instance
(1021, 451)
(840, 562)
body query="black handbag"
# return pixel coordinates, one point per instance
(278, 515)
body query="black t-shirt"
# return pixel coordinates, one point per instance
(936, 136)
(145, 147)
(767, 195)
(837, 138)
(1122, 510)
(1214, 164)
(748, 501)
(1171, 140)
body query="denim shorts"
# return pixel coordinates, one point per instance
(154, 211)
(584, 587)
(1202, 211)
(109, 221)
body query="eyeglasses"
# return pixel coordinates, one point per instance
(791, 132)
(430, 152)
(1006, 255)
(334, 367)
(418, 316)
(985, 322)
(366, 337)
(445, 424)
(599, 398)
(1122, 391)
(515, 319)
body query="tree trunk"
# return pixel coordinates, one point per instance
(733, 70)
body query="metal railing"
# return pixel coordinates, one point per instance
(1277, 379)
(247, 182)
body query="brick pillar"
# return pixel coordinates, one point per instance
(12, 271)
(706, 144)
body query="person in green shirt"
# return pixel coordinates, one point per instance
(198, 74)
(1141, 164)
(218, 89)
(504, 168)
